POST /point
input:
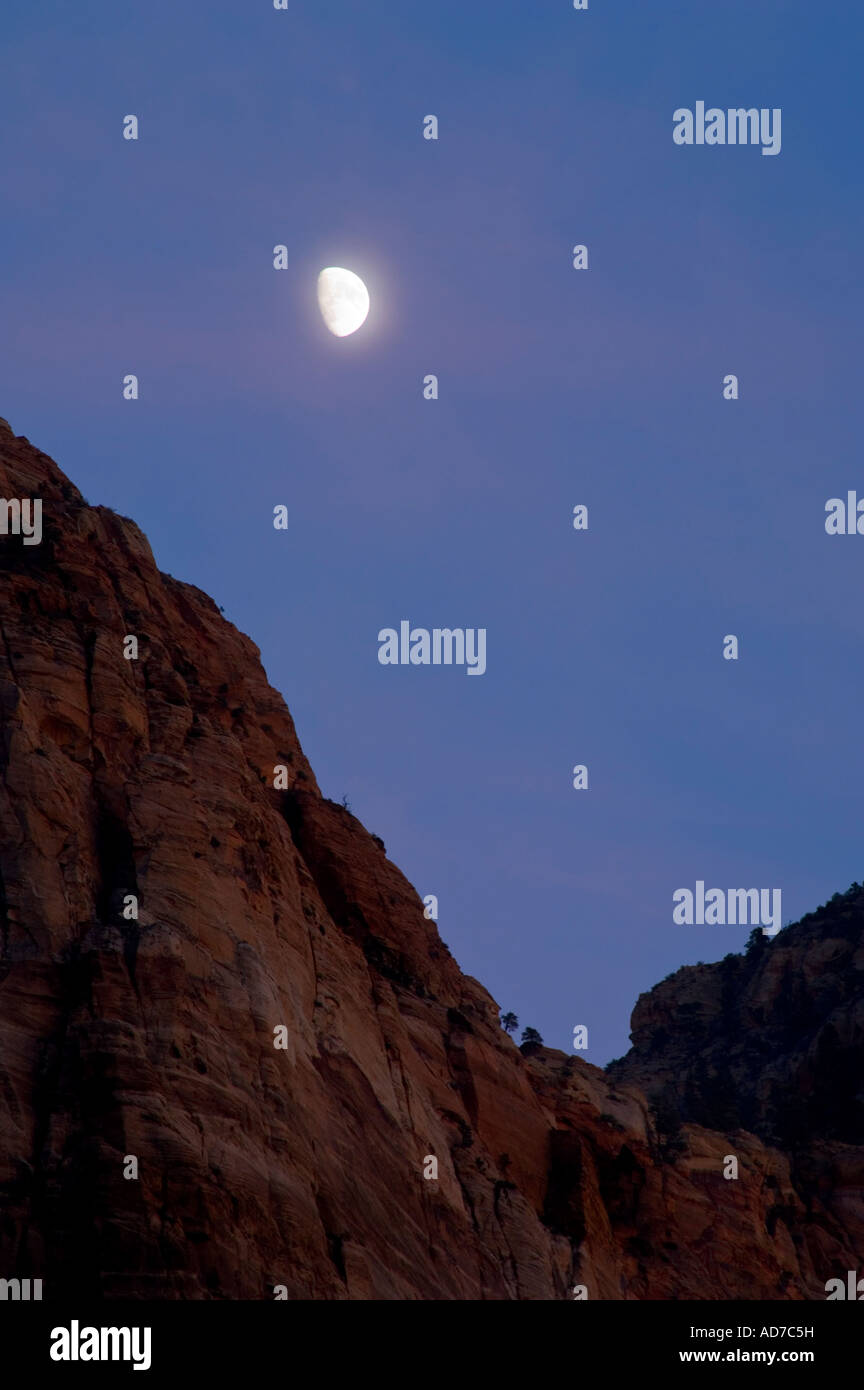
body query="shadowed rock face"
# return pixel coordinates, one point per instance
(772, 1041)
(303, 1166)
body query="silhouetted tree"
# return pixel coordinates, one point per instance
(509, 1022)
(530, 1035)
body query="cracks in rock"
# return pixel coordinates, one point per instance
(314, 963)
(457, 1063)
(334, 1237)
(5, 964)
(131, 942)
(469, 1200)
(115, 855)
(57, 1091)
(8, 651)
(335, 1245)
(502, 1185)
(118, 879)
(88, 644)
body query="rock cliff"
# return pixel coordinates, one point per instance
(267, 913)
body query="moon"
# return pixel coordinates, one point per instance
(343, 300)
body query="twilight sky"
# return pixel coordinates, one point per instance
(557, 387)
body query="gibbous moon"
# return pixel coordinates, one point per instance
(343, 300)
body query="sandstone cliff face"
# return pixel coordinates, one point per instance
(303, 1166)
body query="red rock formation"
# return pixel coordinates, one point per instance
(258, 907)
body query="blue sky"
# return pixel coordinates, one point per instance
(602, 387)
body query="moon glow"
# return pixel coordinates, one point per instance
(343, 300)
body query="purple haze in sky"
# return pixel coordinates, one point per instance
(557, 387)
